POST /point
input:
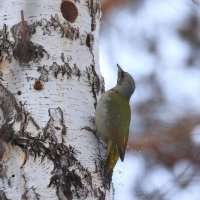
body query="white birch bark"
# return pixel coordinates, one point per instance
(49, 86)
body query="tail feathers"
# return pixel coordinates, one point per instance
(122, 148)
(111, 162)
(121, 154)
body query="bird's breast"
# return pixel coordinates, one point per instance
(102, 119)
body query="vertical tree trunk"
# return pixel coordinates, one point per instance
(49, 85)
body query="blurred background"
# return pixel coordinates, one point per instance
(158, 43)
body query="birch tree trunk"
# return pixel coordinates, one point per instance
(49, 86)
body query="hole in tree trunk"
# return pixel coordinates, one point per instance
(69, 11)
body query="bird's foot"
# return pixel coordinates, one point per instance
(87, 128)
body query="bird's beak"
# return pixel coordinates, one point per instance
(120, 72)
(119, 68)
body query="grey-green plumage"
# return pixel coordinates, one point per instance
(112, 118)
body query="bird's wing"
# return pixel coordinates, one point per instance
(118, 121)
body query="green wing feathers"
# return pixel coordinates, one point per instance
(119, 121)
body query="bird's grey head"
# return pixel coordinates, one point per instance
(125, 83)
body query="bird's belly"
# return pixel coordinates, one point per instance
(102, 123)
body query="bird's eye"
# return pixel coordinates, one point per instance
(121, 74)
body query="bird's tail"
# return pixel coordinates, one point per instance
(111, 161)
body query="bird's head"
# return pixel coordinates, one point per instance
(125, 83)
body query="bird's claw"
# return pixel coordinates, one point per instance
(87, 128)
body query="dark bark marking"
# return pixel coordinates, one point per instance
(37, 196)
(5, 45)
(26, 190)
(95, 82)
(76, 72)
(90, 41)
(94, 8)
(3, 195)
(24, 50)
(3, 171)
(56, 117)
(44, 77)
(65, 69)
(11, 113)
(62, 57)
(65, 29)
(2, 150)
